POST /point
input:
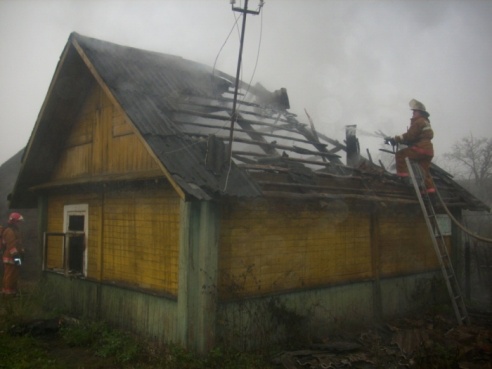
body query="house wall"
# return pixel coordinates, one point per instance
(310, 269)
(271, 247)
(151, 315)
(133, 226)
(133, 246)
(133, 236)
(133, 230)
(394, 269)
(102, 142)
(308, 315)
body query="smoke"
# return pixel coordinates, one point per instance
(347, 62)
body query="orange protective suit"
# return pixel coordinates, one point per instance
(13, 250)
(420, 149)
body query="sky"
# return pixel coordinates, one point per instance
(346, 62)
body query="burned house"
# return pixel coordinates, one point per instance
(157, 216)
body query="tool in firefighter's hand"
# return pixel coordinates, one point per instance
(390, 141)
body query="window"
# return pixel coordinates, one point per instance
(75, 229)
(66, 252)
(76, 242)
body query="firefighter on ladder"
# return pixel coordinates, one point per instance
(418, 138)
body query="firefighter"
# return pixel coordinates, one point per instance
(12, 254)
(418, 139)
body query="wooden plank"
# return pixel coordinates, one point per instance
(247, 131)
(283, 127)
(295, 149)
(319, 196)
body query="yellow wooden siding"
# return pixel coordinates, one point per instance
(54, 253)
(266, 248)
(141, 239)
(102, 142)
(54, 244)
(405, 244)
(56, 205)
(140, 236)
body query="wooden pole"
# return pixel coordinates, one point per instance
(238, 72)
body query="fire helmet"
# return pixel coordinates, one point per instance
(416, 105)
(15, 218)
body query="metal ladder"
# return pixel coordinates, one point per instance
(439, 243)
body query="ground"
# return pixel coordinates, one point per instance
(433, 341)
(429, 339)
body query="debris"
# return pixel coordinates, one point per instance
(41, 327)
(430, 341)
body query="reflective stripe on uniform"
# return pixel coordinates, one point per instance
(7, 260)
(422, 151)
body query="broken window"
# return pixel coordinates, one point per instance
(76, 243)
(66, 251)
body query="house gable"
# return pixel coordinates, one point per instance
(103, 143)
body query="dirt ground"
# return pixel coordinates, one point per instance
(431, 340)
(75, 357)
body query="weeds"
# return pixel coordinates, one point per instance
(96, 344)
(105, 341)
(84, 343)
(82, 335)
(437, 356)
(24, 353)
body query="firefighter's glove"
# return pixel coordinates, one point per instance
(390, 141)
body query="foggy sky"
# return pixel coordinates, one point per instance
(345, 62)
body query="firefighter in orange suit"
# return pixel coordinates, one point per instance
(12, 246)
(418, 138)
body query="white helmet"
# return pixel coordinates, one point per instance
(416, 105)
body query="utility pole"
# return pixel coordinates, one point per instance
(234, 114)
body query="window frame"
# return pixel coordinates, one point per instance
(66, 234)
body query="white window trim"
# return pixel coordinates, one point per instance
(78, 209)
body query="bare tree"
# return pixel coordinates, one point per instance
(474, 158)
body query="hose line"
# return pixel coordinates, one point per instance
(467, 231)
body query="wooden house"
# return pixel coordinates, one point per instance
(157, 216)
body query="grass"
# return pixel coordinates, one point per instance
(24, 353)
(84, 344)
(81, 344)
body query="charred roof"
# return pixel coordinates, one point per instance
(184, 111)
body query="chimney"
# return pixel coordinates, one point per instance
(352, 143)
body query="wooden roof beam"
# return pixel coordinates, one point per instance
(247, 131)
(295, 149)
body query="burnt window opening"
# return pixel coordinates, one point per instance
(65, 250)
(76, 243)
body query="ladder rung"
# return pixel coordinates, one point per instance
(427, 204)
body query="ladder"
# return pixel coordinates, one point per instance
(439, 243)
